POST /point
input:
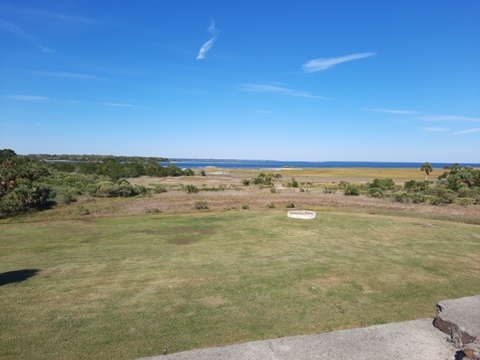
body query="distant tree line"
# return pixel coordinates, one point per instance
(458, 184)
(115, 169)
(29, 183)
(70, 157)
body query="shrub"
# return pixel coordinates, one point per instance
(290, 205)
(383, 184)
(293, 183)
(445, 196)
(466, 192)
(200, 205)
(65, 199)
(413, 185)
(158, 189)
(273, 190)
(245, 207)
(271, 205)
(409, 198)
(246, 182)
(465, 201)
(80, 210)
(343, 184)
(351, 190)
(191, 189)
(375, 192)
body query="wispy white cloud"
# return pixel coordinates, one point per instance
(46, 49)
(278, 90)
(469, 131)
(398, 112)
(27, 97)
(323, 64)
(15, 29)
(65, 74)
(21, 33)
(62, 17)
(35, 14)
(207, 46)
(435, 129)
(448, 118)
(123, 105)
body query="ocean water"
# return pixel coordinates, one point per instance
(273, 164)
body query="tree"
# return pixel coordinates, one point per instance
(427, 167)
(459, 176)
(19, 188)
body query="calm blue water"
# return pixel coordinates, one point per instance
(266, 164)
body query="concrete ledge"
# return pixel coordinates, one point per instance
(460, 318)
(416, 339)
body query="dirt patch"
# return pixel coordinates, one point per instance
(183, 241)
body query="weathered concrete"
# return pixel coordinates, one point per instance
(416, 339)
(460, 318)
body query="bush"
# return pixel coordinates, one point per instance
(351, 190)
(246, 182)
(271, 205)
(465, 201)
(413, 185)
(245, 207)
(375, 192)
(158, 189)
(191, 189)
(273, 190)
(409, 198)
(200, 205)
(290, 205)
(293, 183)
(383, 184)
(442, 196)
(466, 192)
(80, 210)
(65, 199)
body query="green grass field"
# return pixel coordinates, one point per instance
(126, 287)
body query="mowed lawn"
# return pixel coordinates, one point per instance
(126, 287)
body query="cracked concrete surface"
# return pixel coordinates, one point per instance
(417, 339)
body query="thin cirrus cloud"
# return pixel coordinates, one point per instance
(21, 33)
(448, 118)
(27, 97)
(321, 64)
(15, 29)
(63, 74)
(435, 129)
(469, 131)
(46, 49)
(124, 105)
(208, 45)
(393, 111)
(278, 90)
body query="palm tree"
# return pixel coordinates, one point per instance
(427, 167)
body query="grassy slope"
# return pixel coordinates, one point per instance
(124, 287)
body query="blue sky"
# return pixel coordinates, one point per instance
(368, 80)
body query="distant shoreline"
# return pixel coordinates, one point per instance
(285, 165)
